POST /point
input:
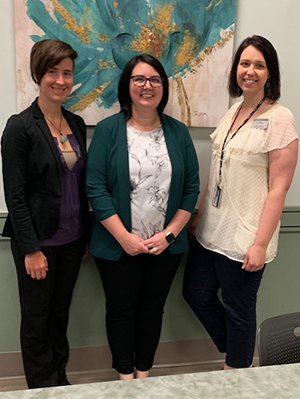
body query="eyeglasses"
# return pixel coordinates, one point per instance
(140, 81)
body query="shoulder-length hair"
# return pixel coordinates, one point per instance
(266, 48)
(123, 87)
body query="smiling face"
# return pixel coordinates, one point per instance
(146, 97)
(252, 72)
(57, 83)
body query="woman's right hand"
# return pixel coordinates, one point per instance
(133, 245)
(36, 265)
(196, 221)
(193, 227)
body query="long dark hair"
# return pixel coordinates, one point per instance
(266, 48)
(123, 87)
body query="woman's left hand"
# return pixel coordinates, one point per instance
(157, 243)
(86, 252)
(255, 259)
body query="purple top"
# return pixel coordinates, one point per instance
(70, 225)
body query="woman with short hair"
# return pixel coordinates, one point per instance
(44, 165)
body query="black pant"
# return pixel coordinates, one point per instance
(136, 288)
(231, 324)
(45, 312)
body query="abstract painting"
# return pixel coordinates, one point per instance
(192, 38)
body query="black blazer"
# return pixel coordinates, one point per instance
(32, 176)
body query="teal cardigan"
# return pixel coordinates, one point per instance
(108, 181)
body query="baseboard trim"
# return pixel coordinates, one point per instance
(85, 359)
(98, 358)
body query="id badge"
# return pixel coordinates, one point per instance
(260, 123)
(216, 198)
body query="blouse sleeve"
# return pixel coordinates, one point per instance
(281, 130)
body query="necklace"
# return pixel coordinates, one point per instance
(244, 123)
(63, 138)
(216, 199)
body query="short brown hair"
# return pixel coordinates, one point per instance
(46, 54)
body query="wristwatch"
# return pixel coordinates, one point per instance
(170, 237)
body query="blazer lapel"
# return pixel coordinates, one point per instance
(42, 125)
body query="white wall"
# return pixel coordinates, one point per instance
(277, 20)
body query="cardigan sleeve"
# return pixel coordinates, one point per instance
(15, 154)
(190, 190)
(97, 173)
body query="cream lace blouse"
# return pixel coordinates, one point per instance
(231, 229)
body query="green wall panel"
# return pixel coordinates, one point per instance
(278, 294)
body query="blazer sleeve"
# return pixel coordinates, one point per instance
(15, 154)
(97, 173)
(190, 190)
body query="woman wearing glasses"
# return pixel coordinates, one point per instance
(142, 182)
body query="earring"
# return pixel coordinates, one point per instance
(268, 88)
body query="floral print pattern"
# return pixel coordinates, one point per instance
(150, 176)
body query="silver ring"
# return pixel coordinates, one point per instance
(154, 249)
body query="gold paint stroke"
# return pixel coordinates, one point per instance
(103, 38)
(211, 4)
(181, 91)
(89, 98)
(154, 35)
(183, 102)
(118, 19)
(106, 64)
(148, 41)
(186, 49)
(162, 21)
(71, 23)
(218, 45)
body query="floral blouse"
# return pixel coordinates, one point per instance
(150, 177)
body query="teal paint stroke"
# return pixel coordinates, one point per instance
(121, 25)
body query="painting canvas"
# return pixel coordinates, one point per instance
(192, 38)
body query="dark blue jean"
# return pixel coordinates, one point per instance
(232, 322)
